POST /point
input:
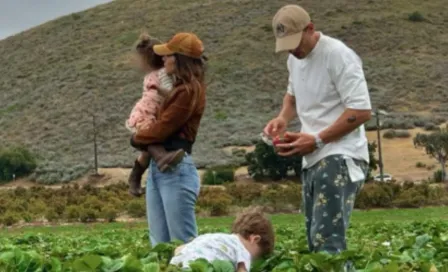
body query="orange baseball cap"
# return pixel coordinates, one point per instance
(184, 43)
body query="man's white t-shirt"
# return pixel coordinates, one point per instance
(214, 246)
(326, 83)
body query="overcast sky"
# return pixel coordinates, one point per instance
(19, 15)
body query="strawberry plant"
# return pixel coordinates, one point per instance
(379, 247)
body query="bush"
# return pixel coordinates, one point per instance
(244, 194)
(264, 162)
(391, 134)
(377, 195)
(438, 176)
(136, 208)
(218, 176)
(416, 17)
(420, 165)
(88, 215)
(216, 200)
(431, 127)
(9, 218)
(109, 213)
(51, 215)
(373, 161)
(283, 197)
(16, 162)
(72, 213)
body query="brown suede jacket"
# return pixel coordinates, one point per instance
(176, 118)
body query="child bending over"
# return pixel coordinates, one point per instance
(156, 86)
(252, 237)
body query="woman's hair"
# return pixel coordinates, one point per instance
(144, 48)
(190, 72)
(253, 222)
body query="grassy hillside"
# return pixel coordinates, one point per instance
(51, 77)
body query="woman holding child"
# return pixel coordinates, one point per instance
(173, 181)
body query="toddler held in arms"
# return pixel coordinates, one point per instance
(252, 237)
(156, 86)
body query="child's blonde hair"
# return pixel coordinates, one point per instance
(252, 221)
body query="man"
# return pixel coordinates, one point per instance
(327, 90)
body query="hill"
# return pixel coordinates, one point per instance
(54, 76)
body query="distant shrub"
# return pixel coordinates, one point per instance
(416, 17)
(9, 218)
(136, 208)
(109, 213)
(216, 200)
(88, 215)
(16, 161)
(391, 134)
(438, 176)
(51, 215)
(218, 175)
(420, 165)
(283, 197)
(244, 194)
(72, 213)
(431, 127)
(264, 162)
(377, 195)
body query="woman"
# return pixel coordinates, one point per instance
(171, 196)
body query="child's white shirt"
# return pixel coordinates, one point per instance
(214, 246)
(165, 80)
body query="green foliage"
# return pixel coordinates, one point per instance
(391, 134)
(438, 176)
(420, 165)
(136, 208)
(88, 215)
(436, 146)
(9, 218)
(16, 161)
(110, 213)
(373, 161)
(218, 175)
(216, 200)
(384, 245)
(264, 163)
(416, 16)
(72, 213)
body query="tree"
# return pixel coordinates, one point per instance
(436, 146)
(16, 162)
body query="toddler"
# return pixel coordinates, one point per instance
(156, 86)
(252, 237)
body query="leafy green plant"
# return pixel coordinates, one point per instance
(416, 16)
(264, 163)
(136, 208)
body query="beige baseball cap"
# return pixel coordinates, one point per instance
(288, 25)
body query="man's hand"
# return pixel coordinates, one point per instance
(275, 127)
(297, 144)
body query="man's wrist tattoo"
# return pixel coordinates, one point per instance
(351, 119)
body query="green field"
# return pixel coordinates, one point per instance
(380, 240)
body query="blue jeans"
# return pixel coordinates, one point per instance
(170, 202)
